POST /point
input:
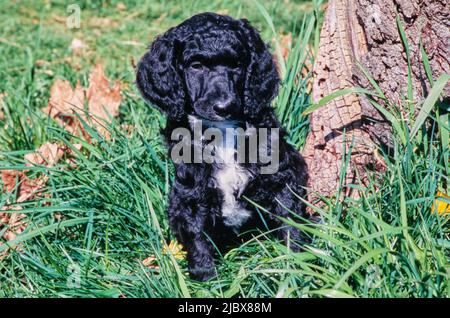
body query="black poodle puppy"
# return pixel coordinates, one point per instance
(217, 70)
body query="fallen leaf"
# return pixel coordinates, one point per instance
(102, 23)
(27, 188)
(102, 100)
(150, 262)
(40, 63)
(48, 154)
(71, 154)
(64, 103)
(9, 178)
(30, 188)
(121, 6)
(64, 100)
(285, 45)
(14, 223)
(59, 19)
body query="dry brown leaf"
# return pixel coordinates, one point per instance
(30, 188)
(103, 101)
(59, 19)
(40, 63)
(48, 154)
(12, 220)
(9, 178)
(101, 98)
(26, 188)
(121, 6)
(150, 262)
(64, 101)
(285, 45)
(102, 23)
(71, 160)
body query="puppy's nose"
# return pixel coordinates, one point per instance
(224, 108)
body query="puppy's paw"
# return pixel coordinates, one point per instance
(203, 274)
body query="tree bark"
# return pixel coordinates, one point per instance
(365, 31)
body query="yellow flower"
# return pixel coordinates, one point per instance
(441, 204)
(176, 249)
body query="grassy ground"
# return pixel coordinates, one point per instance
(111, 208)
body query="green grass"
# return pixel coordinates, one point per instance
(385, 244)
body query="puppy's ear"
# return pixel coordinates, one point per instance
(158, 80)
(262, 79)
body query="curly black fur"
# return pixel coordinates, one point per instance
(175, 75)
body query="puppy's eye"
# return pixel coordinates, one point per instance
(196, 65)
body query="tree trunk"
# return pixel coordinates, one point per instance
(365, 31)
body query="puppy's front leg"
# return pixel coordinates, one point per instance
(294, 237)
(200, 256)
(187, 222)
(200, 250)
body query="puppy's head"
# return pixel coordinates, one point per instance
(210, 66)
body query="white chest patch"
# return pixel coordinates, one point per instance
(231, 179)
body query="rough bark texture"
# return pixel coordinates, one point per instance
(428, 20)
(366, 31)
